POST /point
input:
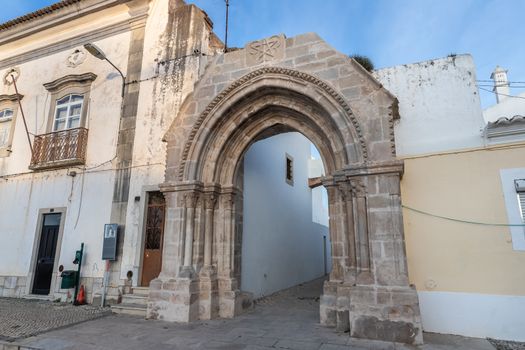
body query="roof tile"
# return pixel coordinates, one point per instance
(38, 13)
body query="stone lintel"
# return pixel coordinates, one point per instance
(11, 98)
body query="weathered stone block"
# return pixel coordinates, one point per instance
(396, 331)
(296, 51)
(328, 74)
(307, 38)
(325, 54)
(343, 321)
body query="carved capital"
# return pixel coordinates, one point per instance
(190, 199)
(228, 199)
(358, 187)
(345, 189)
(210, 199)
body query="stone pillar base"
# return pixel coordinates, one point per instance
(385, 313)
(230, 304)
(173, 300)
(208, 295)
(372, 312)
(334, 305)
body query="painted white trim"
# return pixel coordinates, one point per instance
(473, 315)
(511, 203)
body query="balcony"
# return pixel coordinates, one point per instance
(59, 149)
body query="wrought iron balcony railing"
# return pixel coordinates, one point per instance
(60, 148)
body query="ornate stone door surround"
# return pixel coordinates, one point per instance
(368, 290)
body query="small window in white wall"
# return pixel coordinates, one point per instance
(520, 189)
(6, 117)
(289, 169)
(513, 186)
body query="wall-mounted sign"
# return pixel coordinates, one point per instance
(109, 247)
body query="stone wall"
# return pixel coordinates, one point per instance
(12, 286)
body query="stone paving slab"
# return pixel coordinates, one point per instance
(21, 318)
(287, 320)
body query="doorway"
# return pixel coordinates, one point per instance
(153, 237)
(46, 253)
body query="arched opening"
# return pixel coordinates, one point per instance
(285, 235)
(367, 288)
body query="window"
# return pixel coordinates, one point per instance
(6, 117)
(64, 141)
(8, 110)
(70, 98)
(289, 169)
(68, 112)
(520, 190)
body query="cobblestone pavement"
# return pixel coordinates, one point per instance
(21, 318)
(507, 345)
(287, 320)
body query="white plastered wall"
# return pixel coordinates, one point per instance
(469, 277)
(87, 196)
(281, 245)
(438, 103)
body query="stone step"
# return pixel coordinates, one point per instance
(134, 299)
(129, 309)
(37, 297)
(140, 291)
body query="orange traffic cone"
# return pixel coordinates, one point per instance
(81, 297)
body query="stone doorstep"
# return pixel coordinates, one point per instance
(134, 299)
(144, 291)
(135, 303)
(130, 309)
(37, 297)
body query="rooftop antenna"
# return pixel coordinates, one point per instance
(226, 34)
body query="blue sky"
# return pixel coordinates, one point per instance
(390, 32)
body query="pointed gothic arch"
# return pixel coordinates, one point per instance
(206, 143)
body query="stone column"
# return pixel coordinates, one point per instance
(174, 295)
(173, 243)
(382, 303)
(229, 301)
(362, 243)
(208, 293)
(190, 203)
(335, 302)
(210, 200)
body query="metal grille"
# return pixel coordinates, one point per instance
(155, 220)
(59, 148)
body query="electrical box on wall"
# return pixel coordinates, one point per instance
(109, 247)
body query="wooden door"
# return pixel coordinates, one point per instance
(46, 254)
(153, 238)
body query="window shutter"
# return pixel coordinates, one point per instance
(521, 199)
(520, 189)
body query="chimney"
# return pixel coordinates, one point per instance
(501, 84)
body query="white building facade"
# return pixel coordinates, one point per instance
(96, 157)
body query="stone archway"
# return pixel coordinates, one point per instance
(367, 291)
